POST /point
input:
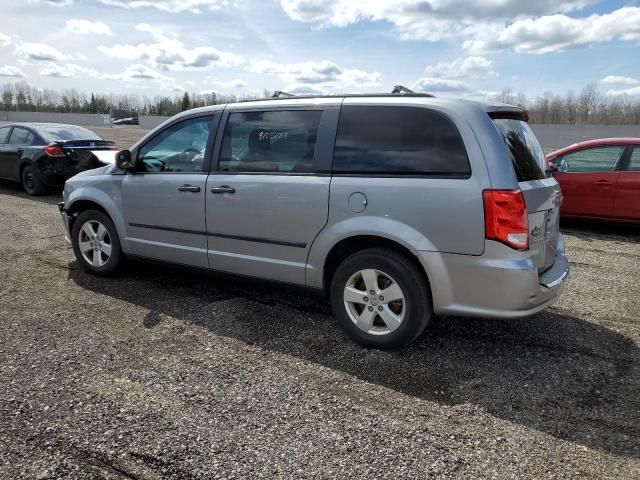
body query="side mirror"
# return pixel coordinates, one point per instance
(551, 167)
(123, 160)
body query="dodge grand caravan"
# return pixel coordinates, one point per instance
(397, 206)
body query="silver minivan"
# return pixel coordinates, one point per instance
(399, 207)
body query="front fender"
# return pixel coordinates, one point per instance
(383, 227)
(106, 195)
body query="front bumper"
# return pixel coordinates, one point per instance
(65, 222)
(501, 283)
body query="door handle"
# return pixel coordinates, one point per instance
(223, 189)
(189, 188)
(602, 182)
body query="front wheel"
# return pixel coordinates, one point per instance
(95, 243)
(380, 298)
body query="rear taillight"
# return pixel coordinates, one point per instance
(505, 218)
(53, 151)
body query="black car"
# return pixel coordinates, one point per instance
(41, 155)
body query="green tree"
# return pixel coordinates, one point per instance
(7, 99)
(93, 106)
(186, 102)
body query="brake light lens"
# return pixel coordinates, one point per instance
(505, 217)
(53, 151)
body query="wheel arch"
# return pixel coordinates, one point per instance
(99, 201)
(359, 233)
(24, 162)
(350, 245)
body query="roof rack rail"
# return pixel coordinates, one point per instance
(280, 93)
(397, 89)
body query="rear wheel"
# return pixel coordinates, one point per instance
(95, 243)
(32, 181)
(380, 298)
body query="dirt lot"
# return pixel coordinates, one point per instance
(161, 373)
(124, 136)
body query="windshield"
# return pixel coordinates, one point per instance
(527, 155)
(63, 133)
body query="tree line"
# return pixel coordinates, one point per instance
(588, 106)
(22, 97)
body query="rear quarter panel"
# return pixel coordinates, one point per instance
(422, 214)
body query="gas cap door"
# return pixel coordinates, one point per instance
(357, 202)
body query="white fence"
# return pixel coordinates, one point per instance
(88, 119)
(553, 137)
(149, 122)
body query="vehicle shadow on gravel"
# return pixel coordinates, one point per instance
(53, 197)
(556, 373)
(601, 230)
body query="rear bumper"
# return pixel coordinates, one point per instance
(55, 171)
(501, 283)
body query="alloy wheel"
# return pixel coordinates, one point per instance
(94, 243)
(374, 301)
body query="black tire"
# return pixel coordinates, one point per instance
(395, 267)
(114, 259)
(32, 181)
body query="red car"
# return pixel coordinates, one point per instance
(600, 179)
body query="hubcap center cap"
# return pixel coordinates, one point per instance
(374, 301)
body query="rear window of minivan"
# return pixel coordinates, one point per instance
(525, 151)
(398, 141)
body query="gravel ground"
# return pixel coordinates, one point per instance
(160, 373)
(124, 136)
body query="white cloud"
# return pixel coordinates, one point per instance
(68, 70)
(57, 71)
(39, 52)
(55, 3)
(440, 85)
(171, 6)
(464, 67)
(85, 27)
(423, 19)
(319, 76)
(556, 33)
(5, 40)
(11, 71)
(537, 27)
(629, 92)
(169, 53)
(302, 89)
(231, 84)
(618, 80)
(137, 74)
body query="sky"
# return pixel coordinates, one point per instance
(446, 47)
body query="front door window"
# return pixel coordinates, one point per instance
(179, 149)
